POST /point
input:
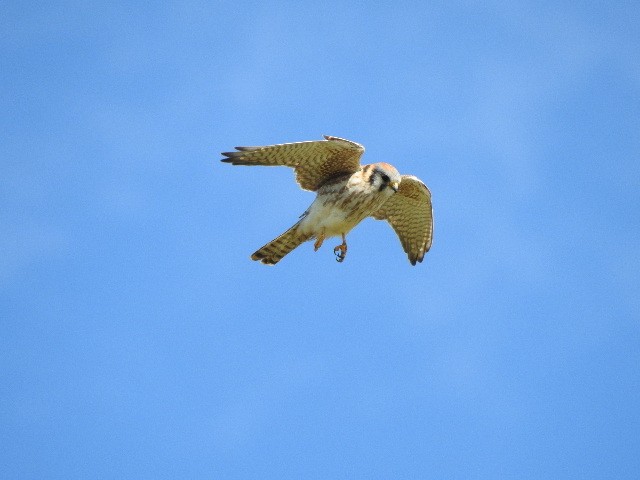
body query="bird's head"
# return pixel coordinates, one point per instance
(384, 177)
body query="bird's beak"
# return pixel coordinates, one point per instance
(394, 186)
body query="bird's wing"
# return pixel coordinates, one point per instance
(410, 214)
(314, 162)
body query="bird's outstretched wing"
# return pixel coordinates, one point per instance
(410, 214)
(314, 162)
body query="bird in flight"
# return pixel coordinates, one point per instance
(347, 193)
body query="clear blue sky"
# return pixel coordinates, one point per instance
(137, 338)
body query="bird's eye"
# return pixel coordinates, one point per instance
(385, 178)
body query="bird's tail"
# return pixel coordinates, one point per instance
(276, 249)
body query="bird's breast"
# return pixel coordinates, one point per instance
(339, 207)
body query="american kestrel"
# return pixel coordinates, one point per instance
(347, 193)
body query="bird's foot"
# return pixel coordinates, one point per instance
(341, 250)
(318, 243)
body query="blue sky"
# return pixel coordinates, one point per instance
(138, 340)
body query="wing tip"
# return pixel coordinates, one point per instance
(234, 158)
(417, 258)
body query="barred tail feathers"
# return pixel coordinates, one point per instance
(276, 249)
